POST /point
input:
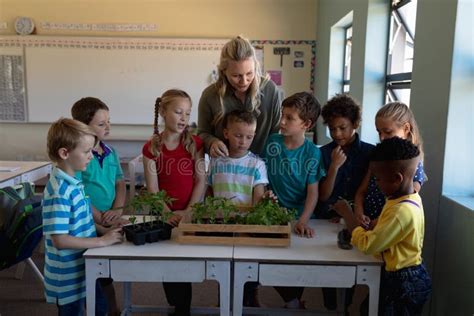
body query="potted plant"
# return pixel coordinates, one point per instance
(154, 229)
(214, 210)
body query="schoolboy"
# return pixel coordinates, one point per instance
(103, 178)
(242, 176)
(398, 235)
(68, 224)
(346, 160)
(294, 169)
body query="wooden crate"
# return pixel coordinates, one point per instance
(234, 234)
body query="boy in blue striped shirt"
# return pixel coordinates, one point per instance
(68, 225)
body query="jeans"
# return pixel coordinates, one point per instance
(77, 308)
(404, 292)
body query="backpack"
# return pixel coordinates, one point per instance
(22, 223)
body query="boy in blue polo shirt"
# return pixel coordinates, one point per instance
(103, 178)
(68, 225)
(294, 170)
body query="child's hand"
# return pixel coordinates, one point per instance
(174, 220)
(218, 149)
(338, 157)
(113, 236)
(373, 223)
(303, 230)
(363, 220)
(271, 196)
(342, 207)
(109, 217)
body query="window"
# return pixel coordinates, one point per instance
(400, 50)
(347, 59)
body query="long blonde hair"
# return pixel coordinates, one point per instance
(161, 104)
(238, 49)
(401, 114)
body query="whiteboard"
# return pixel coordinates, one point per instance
(127, 74)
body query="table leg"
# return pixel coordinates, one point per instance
(95, 268)
(243, 272)
(220, 271)
(370, 276)
(127, 297)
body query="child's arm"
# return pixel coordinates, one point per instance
(258, 193)
(301, 227)
(200, 185)
(117, 207)
(97, 215)
(343, 208)
(327, 184)
(64, 241)
(384, 235)
(359, 198)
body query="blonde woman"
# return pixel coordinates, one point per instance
(240, 86)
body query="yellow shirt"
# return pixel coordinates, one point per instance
(398, 235)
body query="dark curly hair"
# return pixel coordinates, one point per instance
(342, 105)
(306, 104)
(393, 149)
(85, 109)
(239, 116)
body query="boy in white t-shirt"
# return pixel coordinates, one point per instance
(242, 176)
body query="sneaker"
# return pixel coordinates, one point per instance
(344, 239)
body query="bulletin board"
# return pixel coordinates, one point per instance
(293, 70)
(128, 74)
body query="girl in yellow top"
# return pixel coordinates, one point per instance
(398, 235)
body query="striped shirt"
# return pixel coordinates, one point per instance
(66, 210)
(236, 177)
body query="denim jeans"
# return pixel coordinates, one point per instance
(404, 292)
(77, 308)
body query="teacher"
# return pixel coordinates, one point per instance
(240, 86)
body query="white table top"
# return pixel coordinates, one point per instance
(168, 249)
(322, 248)
(23, 167)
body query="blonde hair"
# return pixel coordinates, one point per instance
(161, 105)
(66, 133)
(238, 49)
(401, 114)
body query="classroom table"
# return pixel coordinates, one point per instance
(15, 172)
(308, 262)
(163, 261)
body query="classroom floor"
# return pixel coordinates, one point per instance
(25, 297)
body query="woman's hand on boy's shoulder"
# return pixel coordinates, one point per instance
(218, 149)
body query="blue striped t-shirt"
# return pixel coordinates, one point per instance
(66, 210)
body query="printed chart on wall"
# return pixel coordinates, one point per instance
(290, 64)
(12, 85)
